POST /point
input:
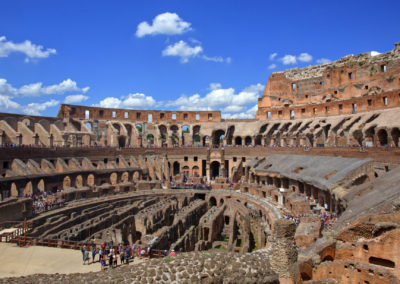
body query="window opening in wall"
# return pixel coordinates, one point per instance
(315, 110)
(210, 116)
(366, 87)
(383, 68)
(369, 102)
(280, 99)
(243, 159)
(326, 109)
(185, 116)
(385, 101)
(279, 112)
(138, 115)
(149, 117)
(335, 92)
(126, 114)
(114, 114)
(185, 158)
(174, 116)
(306, 96)
(303, 110)
(195, 159)
(293, 86)
(292, 114)
(322, 82)
(105, 160)
(351, 75)
(101, 113)
(162, 115)
(234, 159)
(340, 106)
(5, 165)
(197, 116)
(354, 108)
(268, 114)
(87, 114)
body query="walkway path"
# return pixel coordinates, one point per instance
(18, 261)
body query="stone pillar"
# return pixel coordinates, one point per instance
(51, 141)
(284, 252)
(263, 141)
(79, 141)
(2, 140)
(19, 139)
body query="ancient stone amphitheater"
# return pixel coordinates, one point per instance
(308, 191)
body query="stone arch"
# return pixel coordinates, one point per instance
(206, 141)
(150, 139)
(66, 182)
(89, 125)
(195, 171)
(258, 140)
(136, 176)
(163, 134)
(90, 180)
(77, 125)
(383, 137)
(395, 136)
(113, 178)
(212, 201)
(28, 190)
(238, 140)
(125, 177)
(215, 169)
(247, 141)
(14, 190)
(358, 136)
(186, 171)
(79, 181)
(139, 128)
(176, 168)
(217, 137)
(121, 141)
(41, 186)
(229, 135)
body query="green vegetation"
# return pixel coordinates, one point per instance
(361, 63)
(226, 239)
(221, 247)
(167, 259)
(239, 243)
(139, 128)
(196, 138)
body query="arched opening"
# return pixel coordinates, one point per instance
(90, 180)
(214, 168)
(195, 171)
(14, 190)
(221, 201)
(185, 171)
(113, 178)
(139, 128)
(218, 137)
(125, 177)
(89, 125)
(117, 127)
(150, 139)
(206, 141)
(360, 180)
(28, 190)
(163, 134)
(229, 135)
(247, 141)
(238, 140)
(383, 137)
(66, 182)
(174, 135)
(358, 136)
(212, 201)
(176, 168)
(121, 141)
(395, 136)
(258, 140)
(79, 181)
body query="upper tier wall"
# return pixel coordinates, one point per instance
(351, 84)
(84, 112)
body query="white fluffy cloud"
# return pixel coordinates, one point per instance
(273, 55)
(37, 89)
(182, 50)
(8, 105)
(289, 59)
(304, 57)
(166, 23)
(375, 53)
(226, 100)
(73, 99)
(323, 60)
(37, 108)
(185, 52)
(32, 51)
(138, 101)
(272, 66)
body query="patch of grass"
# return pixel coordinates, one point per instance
(167, 259)
(205, 254)
(221, 247)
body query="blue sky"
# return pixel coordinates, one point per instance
(192, 55)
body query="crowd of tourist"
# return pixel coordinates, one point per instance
(44, 201)
(112, 256)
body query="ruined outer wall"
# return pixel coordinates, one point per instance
(351, 84)
(84, 112)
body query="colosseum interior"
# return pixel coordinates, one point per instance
(307, 192)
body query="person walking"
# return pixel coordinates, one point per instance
(93, 253)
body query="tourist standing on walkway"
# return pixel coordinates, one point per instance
(93, 253)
